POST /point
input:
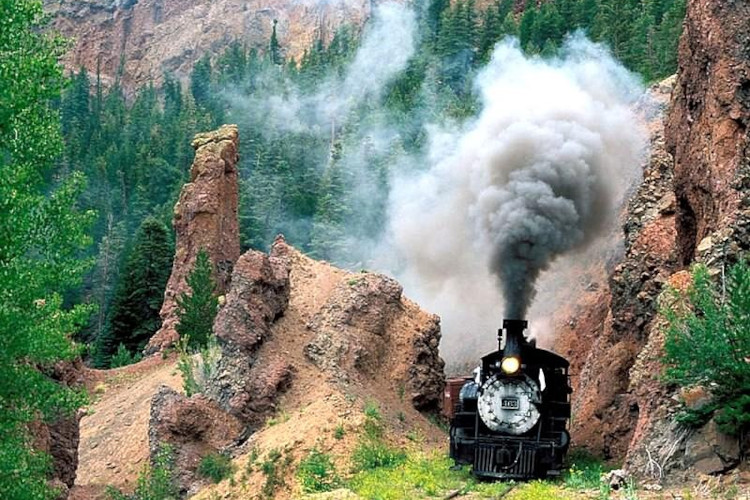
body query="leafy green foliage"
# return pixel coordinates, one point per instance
(155, 482)
(140, 293)
(317, 473)
(708, 343)
(196, 311)
(42, 232)
(216, 467)
(338, 432)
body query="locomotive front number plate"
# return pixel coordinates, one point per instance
(509, 404)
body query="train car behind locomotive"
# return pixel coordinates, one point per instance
(510, 420)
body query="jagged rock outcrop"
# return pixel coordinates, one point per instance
(59, 439)
(707, 129)
(707, 132)
(205, 217)
(354, 336)
(604, 335)
(258, 297)
(692, 206)
(152, 38)
(194, 427)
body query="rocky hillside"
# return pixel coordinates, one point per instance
(691, 207)
(153, 37)
(301, 344)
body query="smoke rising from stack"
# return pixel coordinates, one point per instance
(540, 172)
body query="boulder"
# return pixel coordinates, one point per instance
(258, 297)
(194, 427)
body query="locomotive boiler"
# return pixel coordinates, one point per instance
(510, 420)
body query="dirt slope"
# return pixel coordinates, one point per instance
(114, 434)
(318, 401)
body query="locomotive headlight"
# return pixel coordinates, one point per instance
(511, 365)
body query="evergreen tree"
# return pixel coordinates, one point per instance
(198, 309)
(134, 316)
(41, 237)
(200, 82)
(274, 48)
(328, 235)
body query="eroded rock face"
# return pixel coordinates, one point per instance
(359, 332)
(205, 217)
(605, 334)
(707, 129)
(60, 438)
(257, 298)
(691, 207)
(194, 427)
(158, 37)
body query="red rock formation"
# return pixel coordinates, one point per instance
(610, 325)
(155, 37)
(205, 217)
(60, 438)
(356, 333)
(194, 427)
(693, 207)
(707, 129)
(258, 296)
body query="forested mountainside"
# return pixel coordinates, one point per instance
(319, 176)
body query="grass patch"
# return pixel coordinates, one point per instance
(317, 473)
(417, 476)
(584, 471)
(274, 468)
(215, 467)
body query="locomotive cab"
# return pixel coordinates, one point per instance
(510, 421)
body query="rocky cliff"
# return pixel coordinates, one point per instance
(691, 206)
(152, 37)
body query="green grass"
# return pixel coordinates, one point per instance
(317, 473)
(215, 467)
(584, 471)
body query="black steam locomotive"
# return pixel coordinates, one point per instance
(510, 421)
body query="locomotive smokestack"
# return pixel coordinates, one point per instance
(514, 336)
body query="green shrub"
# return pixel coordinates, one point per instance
(215, 466)
(154, 482)
(274, 470)
(338, 432)
(123, 357)
(372, 411)
(708, 343)
(374, 453)
(584, 471)
(197, 368)
(317, 473)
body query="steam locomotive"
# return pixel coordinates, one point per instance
(510, 420)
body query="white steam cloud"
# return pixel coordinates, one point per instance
(387, 44)
(539, 173)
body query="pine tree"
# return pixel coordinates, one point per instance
(274, 48)
(42, 235)
(198, 309)
(327, 233)
(135, 308)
